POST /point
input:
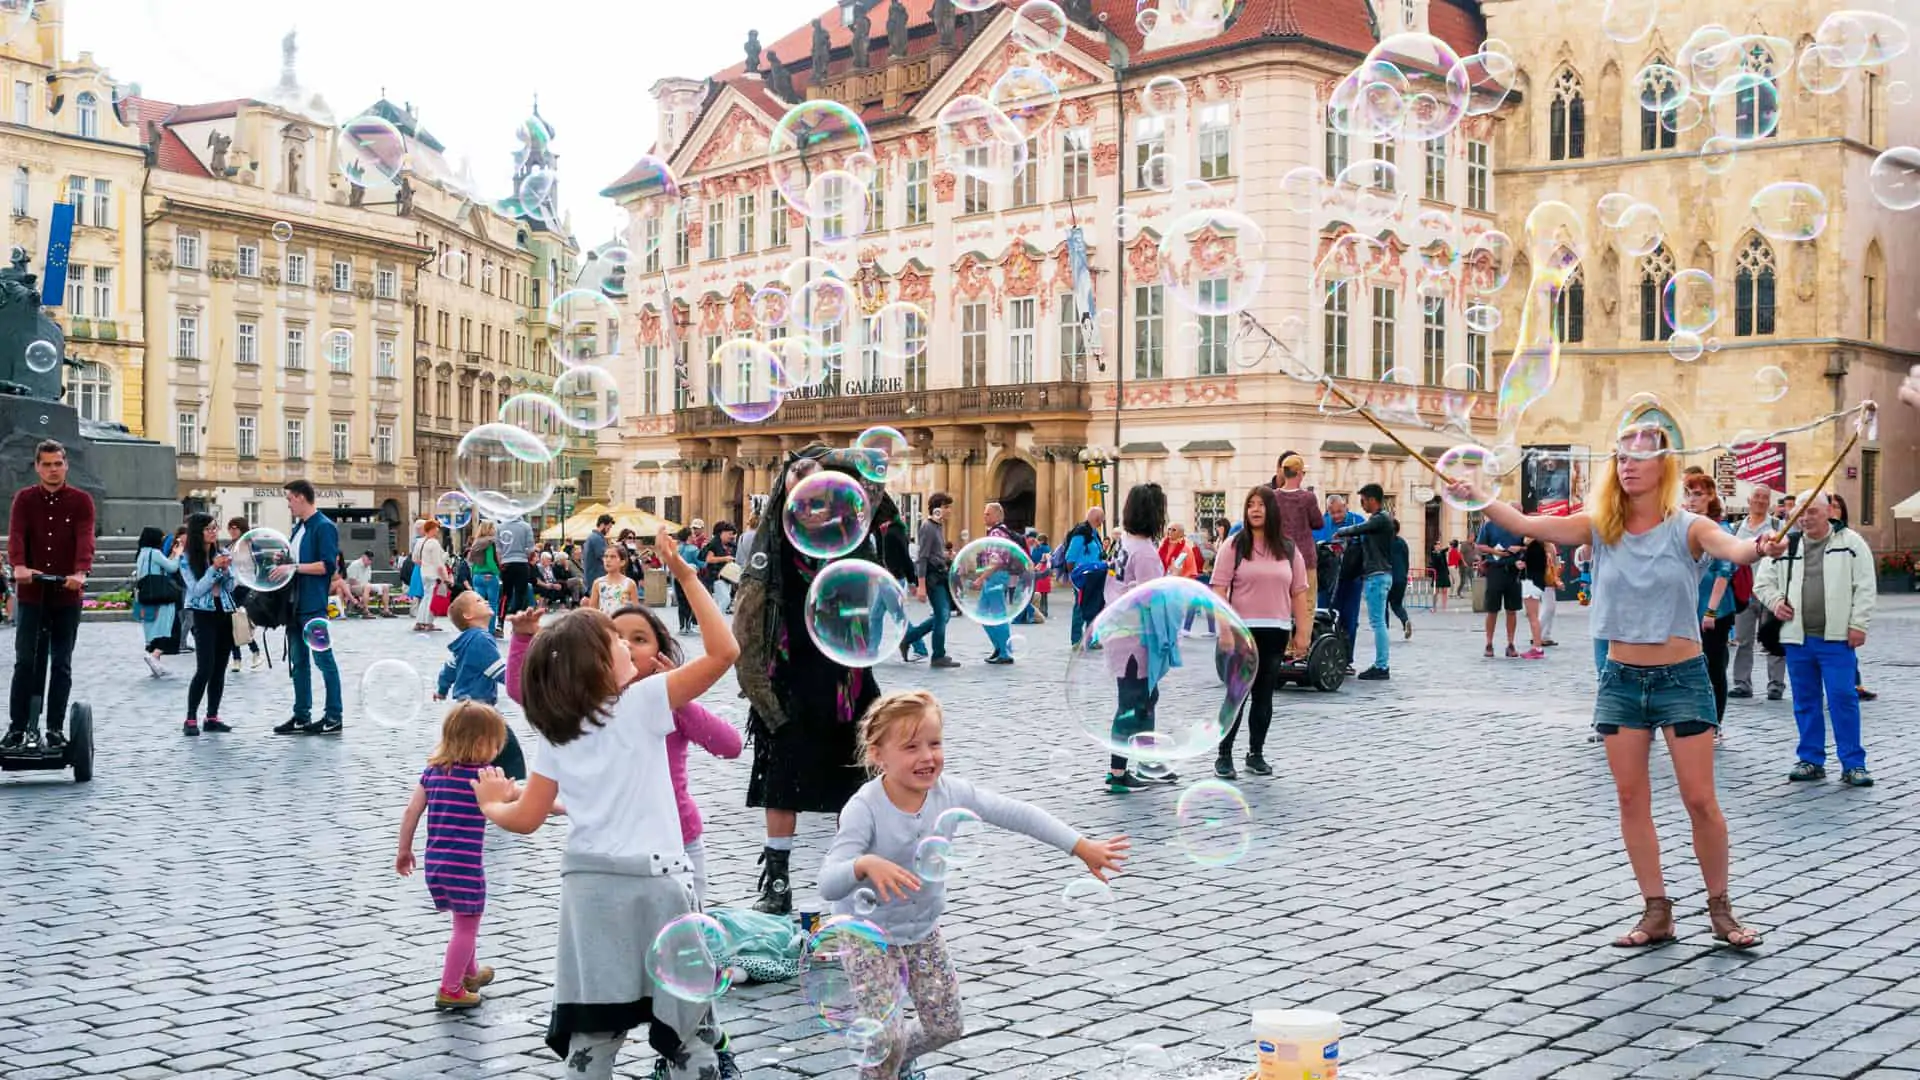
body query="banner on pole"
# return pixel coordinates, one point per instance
(1083, 294)
(53, 272)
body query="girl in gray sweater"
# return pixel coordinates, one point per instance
(885, 829)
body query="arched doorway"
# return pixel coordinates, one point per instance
(1016, 493)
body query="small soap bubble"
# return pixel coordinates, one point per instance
(1215, 824)
(962, 828)
(262, 560)
(1088, 905)
(885, 459)
(993, 580)
(1771, 383)
(1685, 346)
(589, 397)
(867, 1043)
(864, 901)
(282, 231)
(42, 357)
(1469, 464)
(318, 634)
(688, 958)
(453, 510)
(392, 694)
(856, 612)
(933, 858)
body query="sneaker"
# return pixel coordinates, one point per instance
(295, 726)
(259, 661)
(1535, 653)
(1257, 765)
(1774, 693)
(1125, 783)
(1223, 768)
(907, 656)
(1741, 692)
(945, 662)
(1350, 669)
(1866, 694)
(153, 666)
(478, 979)
(998, 658)
(57, 743)
(1549, 643)
(14, 741)
(467, 999)
(729, 1067)
(1408, 628)
(1153, 773)
(190, 728)
(217, 726)
(234, 668)
(1512, 653)
(1856, 777)
(1375, 674)
(329, 726)
(1806, 770)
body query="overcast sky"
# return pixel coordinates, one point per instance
(470, 69)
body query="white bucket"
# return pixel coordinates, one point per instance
(1296, 1044)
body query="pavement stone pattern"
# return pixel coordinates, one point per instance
(1436, 860)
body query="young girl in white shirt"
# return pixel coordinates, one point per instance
(603, 747)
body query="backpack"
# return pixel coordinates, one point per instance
(271, 610)
(1742, 584)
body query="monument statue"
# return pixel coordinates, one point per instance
(403, 196)
(1081, 12)
(753, 52)
(862, 33)
(822, 53)
(897, 30)
(779, 79)
(945, 18)
(218, 142)
(22, 323)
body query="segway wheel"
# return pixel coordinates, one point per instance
(1327, 663)
(80, 742)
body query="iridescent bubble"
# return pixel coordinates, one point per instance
(807, 128)
(1300, 189)
(588, 396)
(803, 362)
(821, 304)
(749, 381)
(963, 830)
(759, 560)
(992, 580)
(868, 1042)
(932, 858)
(1468, 464)
(586, 325)
(1159, 171)
(1492, 73)
(1029, 97)
(1146, 20)
(1822, 70)
(1707, 58)
(1770, 383)
(1086, 904)
(1789, 210)
(1039, 26)
(262, 560)
(1437, 86)
(1685, 346)
(42, 357)
(540, 414)
(839, 200)
(1627, 20)
(899, 330)
(1899, 92)
(1368, 189)
(453, 510)
(1530, 374)
(1482, 318)
(975, 139)
(1686, 116)
(1202, 681)
(506, 470)
(864, 902)
(1689, 301)
(1713, 345)
(887, 454)
(538, 193)
(1640, 230)
(1864, 38)
(827, 515)
(1505, 458)
(454, 264)
(1661, 87)
(1214, 261)
(849, 971)
(1745, 107)
(1717, 154)
(856, 612)
(1215, 825)
(1487, 263)
(1165, 95)
(1612, 207)
(1553, 225)
(282, 231)
(1895, 178)
(1370, 102)
(769, 306)
(1353, 257)
(688, 958)
(392, 693)
(370, 151)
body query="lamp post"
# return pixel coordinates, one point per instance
(1096, 459)
(567, 489)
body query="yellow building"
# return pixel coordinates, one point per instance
(61, 140)
(279, 305)
(1826, 312)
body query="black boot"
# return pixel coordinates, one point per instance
(775, 897)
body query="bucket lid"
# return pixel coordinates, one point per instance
(1296, 1023)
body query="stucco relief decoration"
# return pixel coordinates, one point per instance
(870, 285)
(1106, 158)
(944, 182)
(363, 290)
(161, 260)
(1021, 272)
(1080, 110)
(1061, 279)
(916, 285)
(1211, 253)
(712, 314)
(971, 281)
(1209, 393)
(1479, 271)
(220, 269)
(270, 275)
(740, 307)
(738, 135)
(1143, 257)
(1065, 75)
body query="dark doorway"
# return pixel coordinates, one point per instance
(735, 499)
(1434, 539)
(1016, 495)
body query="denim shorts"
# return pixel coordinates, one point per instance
(1651, 698)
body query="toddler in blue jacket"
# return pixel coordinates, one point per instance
(475, 669)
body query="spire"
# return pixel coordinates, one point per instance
(289, 49)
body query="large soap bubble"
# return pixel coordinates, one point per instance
(507, 470)
(1214, 261)
(797, 140)
(992, 580)
(589, 397)
(688, 958)
(850, 970)
(262, 560)
(856, 612)
(827, 514)
(392, 694)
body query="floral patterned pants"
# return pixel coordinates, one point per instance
(934, 988)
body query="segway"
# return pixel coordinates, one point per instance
(78, 753)
(1325, 666)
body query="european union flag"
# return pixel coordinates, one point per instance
(53, 272)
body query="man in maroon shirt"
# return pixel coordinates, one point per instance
(49, 532)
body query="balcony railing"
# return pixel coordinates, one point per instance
(982, 403)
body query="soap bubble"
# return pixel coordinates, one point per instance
(1134, 642)
(1895, 178)
(1214, 261)
(586, 325)
(1685, 346)
(1790, 211)
(1039, 26)
(932, 858)
(1661, 87)
(1745, 107)
(850, 971)
(1369, 190)
(840, 198)
(262, 560)
(974, 138)
(1159, 171)
(809, 125)
(1717, 154)
(868, 1042)
(1689, 302)
(748, 380)
(1482, 318)
(1771, 383)
(1216, 827)
(1436, 83)
(962, 829)
(759, 560)
(42, 357)
(865, 901)
(1487, 262)
(1029, 97)
(688, 958)
(1087, 903)
(769, 306)
(992, 580)
(507, 470)
(885, 460)
(318, 634)
(453, 510)
(1552, 226)
(1353, 257)
(803, 361)
(1640, 230)
(1822, 70)
(1899, 92)
(1370, 102)
(1863, 38)
(282, 231)
(370, 151)
(1685, 116)
(856, 612)
(392, 693)
(539, 414)
(1468, 464)
(1300, 189)
(1165, 95)
(1491, 73)
(821, 304)
(1627, 20)
(1146, 20)
(827, 514)
(899, 330)
(588, 396)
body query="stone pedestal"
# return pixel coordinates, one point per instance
(131, 479)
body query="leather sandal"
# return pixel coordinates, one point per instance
(1726, 926)
(1654, 928)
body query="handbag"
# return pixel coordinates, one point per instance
(242, 626)
(158, 589)
(442, 599)
(1767, 633)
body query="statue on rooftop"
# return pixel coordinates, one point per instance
(779, 79)
(822, 53)
(897, 30)
(862, 33)
(945, 19)
(753, 52)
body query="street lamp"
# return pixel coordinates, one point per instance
(1098, 458)
(567, 489)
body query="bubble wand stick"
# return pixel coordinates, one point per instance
(1868, 410)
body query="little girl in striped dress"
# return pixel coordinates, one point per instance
(471, 736)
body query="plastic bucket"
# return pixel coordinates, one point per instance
(1296, 1044)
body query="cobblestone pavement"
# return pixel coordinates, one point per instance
(1436, 860)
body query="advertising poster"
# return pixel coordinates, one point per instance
(1553, 480)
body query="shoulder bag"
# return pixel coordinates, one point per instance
(156, 588)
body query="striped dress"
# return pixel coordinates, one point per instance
(455, 827)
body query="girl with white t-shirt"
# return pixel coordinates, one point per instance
(1262, 576)
(603, 747)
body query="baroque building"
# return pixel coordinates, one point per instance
(1833, 314)
(1013, 394)
(63, 141)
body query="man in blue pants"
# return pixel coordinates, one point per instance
(316, 545)
(1084, 547)
(1341, 589)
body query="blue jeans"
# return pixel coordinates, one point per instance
(1826, 668)
(297, 657)
(942, 601)
(488, 586)
(1000, 637)
(1651, 698)
(1346, 600)
(1377, 587)
(1599, 655)
(1086, 608)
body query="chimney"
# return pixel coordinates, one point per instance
(678, 101)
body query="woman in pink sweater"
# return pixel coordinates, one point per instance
(1263, 577)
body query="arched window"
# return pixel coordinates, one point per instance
(1656, 125)
(1756, 104)
(91, 392)
(86, 115)
(1567, 119)
(1656, 270)
(22, 191)
(1753, 290)
(1570, 303)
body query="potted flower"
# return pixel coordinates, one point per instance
(1899, 573)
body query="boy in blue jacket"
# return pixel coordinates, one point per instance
(475, 669)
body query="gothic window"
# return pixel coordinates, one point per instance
(1567, 119)
(1656, 125)
(1753, 279)
(1656, 270)
(1570, 306)
(1756, 102)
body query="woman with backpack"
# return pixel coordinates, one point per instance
(430, 576)
(152, 572)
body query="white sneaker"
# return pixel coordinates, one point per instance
(259, 661)
(153, 666)
(234, 668)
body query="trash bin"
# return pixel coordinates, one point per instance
(654, 592)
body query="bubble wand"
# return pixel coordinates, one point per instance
(1868, 412)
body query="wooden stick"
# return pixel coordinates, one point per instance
(1382, 429)
(1820, 483)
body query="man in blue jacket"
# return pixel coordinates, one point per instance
(1341, 580)
(1084, 548)
(316, 545)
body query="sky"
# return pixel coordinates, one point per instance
(470, 69)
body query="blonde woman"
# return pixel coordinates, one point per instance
(429, 573)
(484, 562)
(1647, 562)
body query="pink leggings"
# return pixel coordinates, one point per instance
(460, 950)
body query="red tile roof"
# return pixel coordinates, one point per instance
(155, 120)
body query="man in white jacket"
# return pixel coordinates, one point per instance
(1822, 591)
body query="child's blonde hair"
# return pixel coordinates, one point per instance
(462, 611)
(473, 733)
(895, 716)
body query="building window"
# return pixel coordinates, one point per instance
(1478, 177)
(1477, 348)
(917, 202)
(1753, 290)
(103, 292)
(1657, 125)
(1570, 304)
(342, 441)
(386, 285)
(22, 103)
(295, 270)
(295, 446)
(1385, 149)
(1334, 318)
(1870, 284)
(979, 193)
(682, 240)
(877, 199)
(466, 403)
(682, 374)
(186, 432)
(86, 115)
(1567, 119)
(1149, 143)
(973, 344)
(250, 509)
(1756, 104)
(716, 227)
(743, 223)
(246, 342)
(1026, 184)
(1020, 340)
(295, 356)
(186, 251)
(1436, 187)
(340, 351)
(103, 204)
(385, 354)
(248, 263)
(650, 239)
(186, 338)
(342, 276)
(916, 349)
(1386, 303)
(1336, 152)
(1433, 342)
(246, 436)
(1073, 341)
(777, 220)
(714, 375)
(1149, 331)
(1215, 330)
(649, 379)
(22, 191)
(869, 341)
(92, 392)
(1872, 95)
(77, 290)
(1656, 270)
(1869, 485)
(1216, 141)
(1076, 162)
(383, 444)
(77, 196)
(1208, 507)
